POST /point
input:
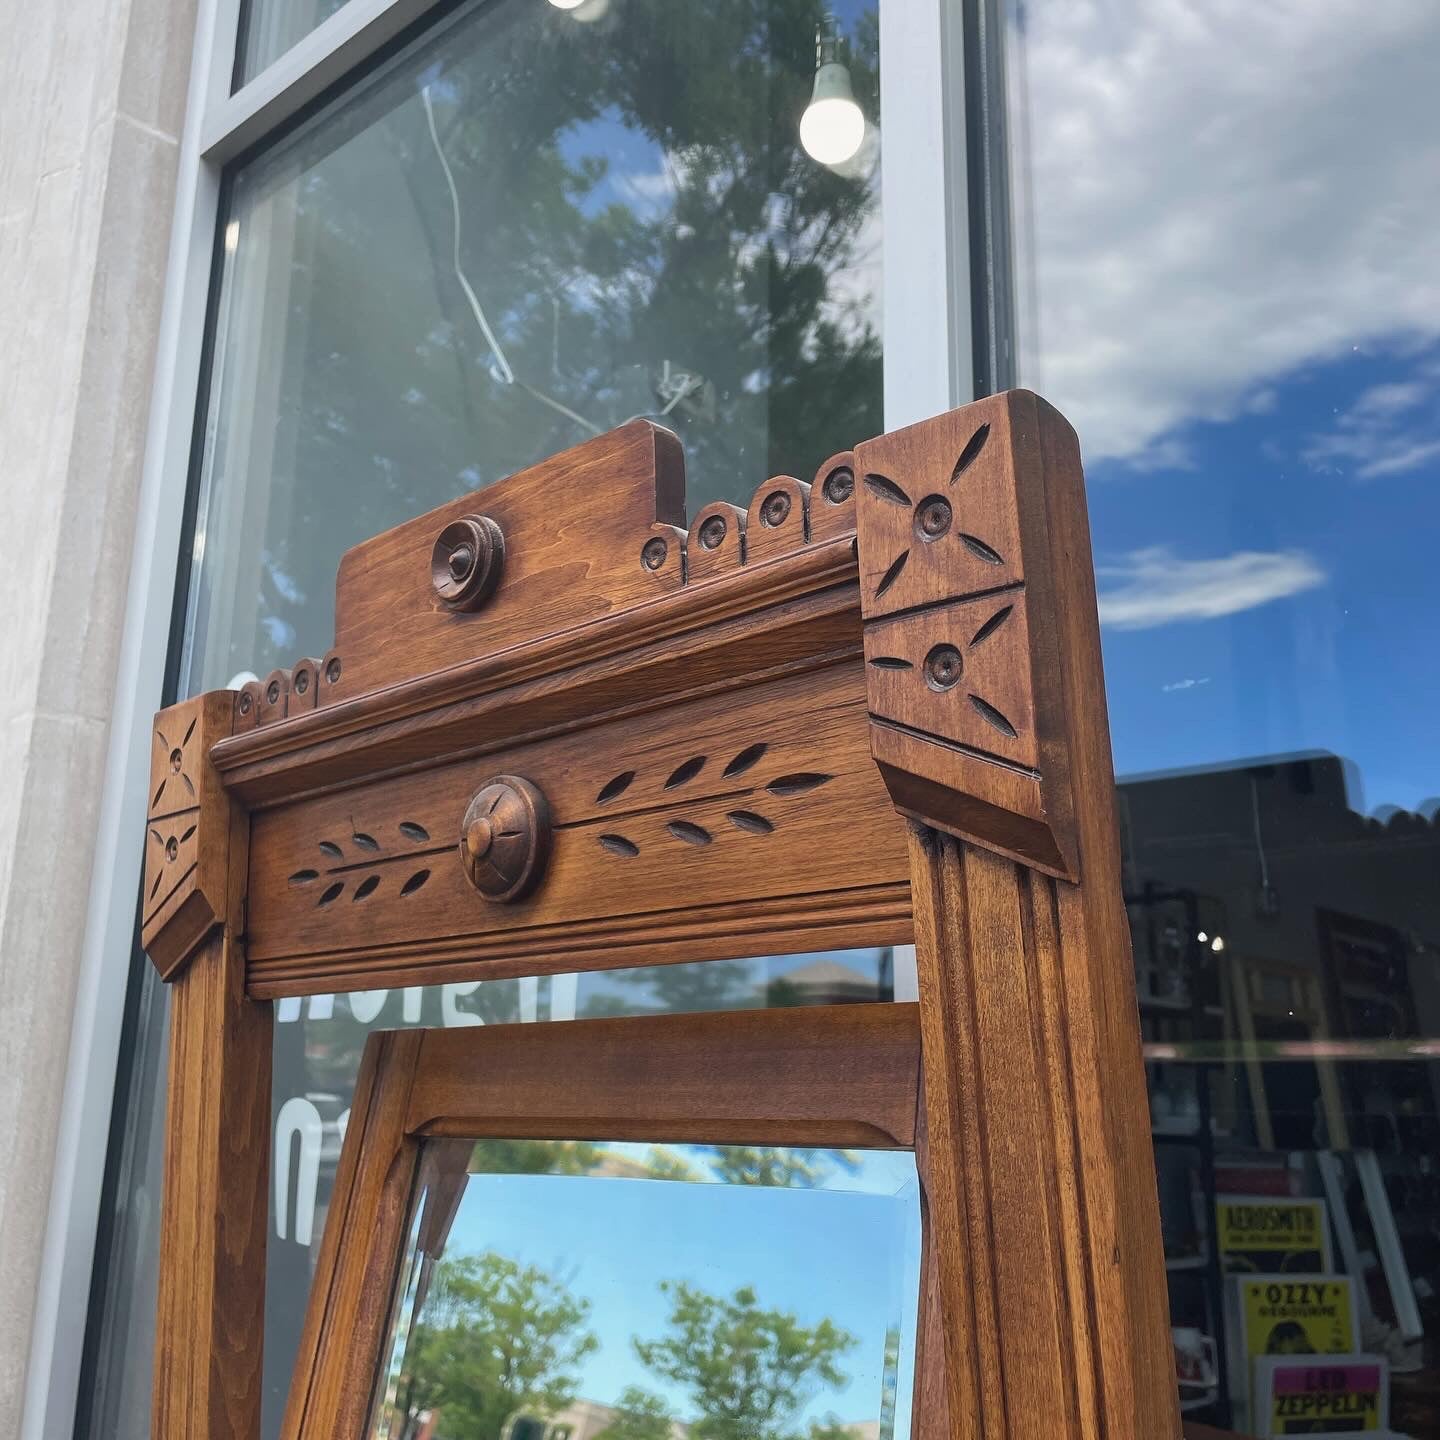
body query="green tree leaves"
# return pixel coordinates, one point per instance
(749, 1370)
(497, 1338)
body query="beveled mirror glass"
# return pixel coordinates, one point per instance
(565, 1290)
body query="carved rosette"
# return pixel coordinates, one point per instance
(466, 561)
(505, 838)
(963, 674)
(187, 832)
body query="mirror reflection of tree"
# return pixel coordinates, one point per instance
(748, 1370)
(496, 1339)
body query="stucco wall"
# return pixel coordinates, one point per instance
(92, 97)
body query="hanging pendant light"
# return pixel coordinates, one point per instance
(833, 125)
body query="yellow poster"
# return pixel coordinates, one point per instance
(1340, 1395)
(1296, 1315)
(1267, 1234)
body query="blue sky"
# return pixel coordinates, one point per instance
(848, 1251)
(1227, 269)
(1346, 661)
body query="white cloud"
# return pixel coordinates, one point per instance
(1382, 433)
(1154, 586)
(1219, 194)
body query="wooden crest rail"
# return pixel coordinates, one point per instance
(558, 731)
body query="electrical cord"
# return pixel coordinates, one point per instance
(507, 372)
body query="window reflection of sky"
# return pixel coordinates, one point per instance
(847, 1251)
(1233, 295)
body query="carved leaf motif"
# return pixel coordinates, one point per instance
(980, 548)
(414, 882)
(987, 711)
(973, 446)
(891, 662)
(304, 877)
(886, 489)
(332, 892)
(619, 845)
(330, 848)
(991, 625)
(611, 788)
(690, 833)
(686, 772)
(366, 887)
(745, 759)
(749, 821)
(411, 831)
(892, 574)
(797, 784)
(365, 842)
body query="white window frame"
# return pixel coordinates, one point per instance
(927, 369)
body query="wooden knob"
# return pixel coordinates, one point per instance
(466, 561)
(505, 838)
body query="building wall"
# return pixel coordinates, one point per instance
(92, 97)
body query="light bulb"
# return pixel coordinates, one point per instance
(832, 128)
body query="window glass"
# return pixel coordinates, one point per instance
(531, 224)
(537, 224)
(562, 1290)
(1228, 271)
(268, 28)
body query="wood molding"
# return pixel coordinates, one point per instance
(987, 721)
(697, 831)
(827, 1076)
(210, 1309)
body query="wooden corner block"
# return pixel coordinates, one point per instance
(187, 839)
(965, 542)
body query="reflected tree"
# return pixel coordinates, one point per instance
(496, 1338)
(748, 1370)
(793, 1167)
(639, 1415)
(638, 223)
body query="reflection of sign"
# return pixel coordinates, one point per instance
(1344, 1395)
(1268, 1234)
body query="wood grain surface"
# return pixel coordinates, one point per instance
(210, 1310)
(672, 834)
(1043, 1208)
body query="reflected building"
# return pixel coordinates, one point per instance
(1286, 948)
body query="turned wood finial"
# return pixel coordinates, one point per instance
(969, 528)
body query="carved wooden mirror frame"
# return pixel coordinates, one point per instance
(556, 732)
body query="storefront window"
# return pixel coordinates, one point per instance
(1228, 282)
(533, 226)
(530, 225)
